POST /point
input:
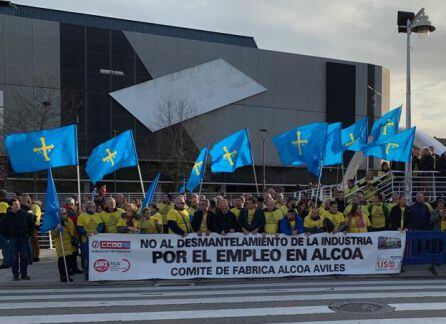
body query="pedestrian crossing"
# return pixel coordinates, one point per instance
(284, 301)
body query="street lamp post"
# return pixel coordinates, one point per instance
(410, 23)
(264, 134)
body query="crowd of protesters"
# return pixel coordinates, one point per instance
(267, 214)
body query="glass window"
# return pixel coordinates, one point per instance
(98, 82)
(72, 37)
(98, 40)
(72, 60)
(72, 79)
(120, 44)
(98, 103)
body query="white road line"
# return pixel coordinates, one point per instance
(430, 320)
(218, 300)
(210, 292)
(413, 306)
(150, 316)
(265, 284)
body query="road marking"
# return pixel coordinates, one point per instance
(422, 306)
(81, 295)
(150, 316)
(430, 320)
(265, 284)
(218, 300)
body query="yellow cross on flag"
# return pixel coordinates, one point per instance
(44, 149)
(228, 155)
(110, 157)
(299, 142)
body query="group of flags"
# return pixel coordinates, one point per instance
(314, 145)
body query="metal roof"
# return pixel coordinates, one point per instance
(122, 24)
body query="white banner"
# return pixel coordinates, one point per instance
(132, 257)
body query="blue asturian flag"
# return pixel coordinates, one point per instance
(303, 145)
(118, 152)
(333, 146)
(150, 193)
(231, 152)
(397, 147)
(387, 125)
(36, 151)
(52, 216)
(197, 173)
(354, 137)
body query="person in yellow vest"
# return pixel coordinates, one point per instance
(398, 215)
(203, 221)
(334, 220)
(291, 203)
(68, 231)
(251, 219)
(178, 218)
(164, 207)
(379, 214)
(357, 221)
(35, 245)
(126, 223)
(438, 216)
(314, 223)
(151, 221)
(357, 199)
(89, 223)
(193, 205)
(5, 244)
(239, 203)
(279, 199)
(351, 187)
(110, 216)
(273, 215)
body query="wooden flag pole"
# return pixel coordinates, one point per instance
(140, 180)
(64, 257)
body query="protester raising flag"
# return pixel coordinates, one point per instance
(197, 173)
(118, 152)
(303, 145)
(36, 151)
(52, 217)
(333, 146)
(397, 147)
(232, 152)
(354, 137)
(150, 193)
(387, 125)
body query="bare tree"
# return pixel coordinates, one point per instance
(175, 137)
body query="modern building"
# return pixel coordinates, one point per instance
(176, 88)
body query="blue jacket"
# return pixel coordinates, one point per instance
(285, 226)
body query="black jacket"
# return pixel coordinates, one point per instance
(418, 217)
(225, 222)
(198, 218)
(394, 221)
(258, 221)
(17, 225)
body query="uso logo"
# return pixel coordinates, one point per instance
(114, 245)
(101, 265)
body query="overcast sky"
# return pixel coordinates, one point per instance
(357, 30)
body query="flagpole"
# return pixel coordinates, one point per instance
(140, 180)
(79, 187)
(204, 168)
(253, 164)
(319, 184)
(64, 257)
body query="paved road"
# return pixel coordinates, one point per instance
(256, 301)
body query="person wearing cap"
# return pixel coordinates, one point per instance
(290, 204)
(291, 224)
(438, 216)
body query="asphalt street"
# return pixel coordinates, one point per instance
(288, 300)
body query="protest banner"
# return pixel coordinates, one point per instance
(133, 257)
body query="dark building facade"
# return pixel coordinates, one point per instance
(95, 71)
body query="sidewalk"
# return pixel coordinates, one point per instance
(45, 274)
